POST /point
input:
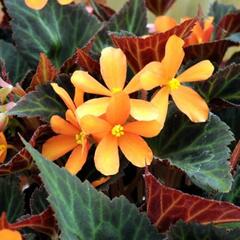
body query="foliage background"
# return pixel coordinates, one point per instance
(189, 9)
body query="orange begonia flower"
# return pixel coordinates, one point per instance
(164, 23)
(115, 131)
(39, 4)
(201, 32)
(3, 147)
(113, 65)
(70, 136)
(163, 74)
(6, 234)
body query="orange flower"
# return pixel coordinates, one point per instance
(202, 32)
(164, 23)
(163, 74)
(70, 136)
(3, 147)
(115, 131)
(39, 4)
(6, 234)
(113, 65)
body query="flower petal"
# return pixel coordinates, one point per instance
(95, 107)
(106, 156)
(3, 139)
(36, 4)
(61, 126)
(64, 2)
(78, 97)
(142, 110)
(57, 146)
(7, 234)
(3, 154)
(62, 93)
(70, 117)
(174, 55)
(94, 125)
(190, 103)
(164, 23)
(135, 150)
(3, 151)
(118, 109)
(77, 159)
(134, 84)
(143, 128)
(153, 75)
(87, 83)
(113, 67)
(198, 72)
(160, 100)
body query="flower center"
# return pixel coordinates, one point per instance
(79, 138)
(116, 90)
(2, 147)
(174, 84)
(118, 130)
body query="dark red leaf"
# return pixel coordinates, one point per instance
(45, 73)
(22, 160)
(142, 50)
(235, 156)
(228, 24)
(82, 60)
(44, 222)
(213, 51)
(159, 7)
(165, 206)
(103, 12)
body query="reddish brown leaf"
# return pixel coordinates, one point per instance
(165, 206)
(45, 73)
(142, 50)
(22, 160)
(235, 156)
(228, 24)
(44, 222)
(213, 51)
(102, 11)
(159, 7)
(3, 221)
(81, 60)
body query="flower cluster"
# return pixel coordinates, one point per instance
(116, 119)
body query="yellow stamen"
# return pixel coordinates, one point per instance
(174, 84)
(2, 147)
(118, 130)
(79, 138)
(116, 90)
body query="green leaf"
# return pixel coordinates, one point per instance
(219, 10)
(56, 30)
(199, 149)
(234, 195)
(43, 102)
(231, 117)
(84, 213)
(11, 198)
(224, 84)
(195, 231)
(131, 18)
(15, 64)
